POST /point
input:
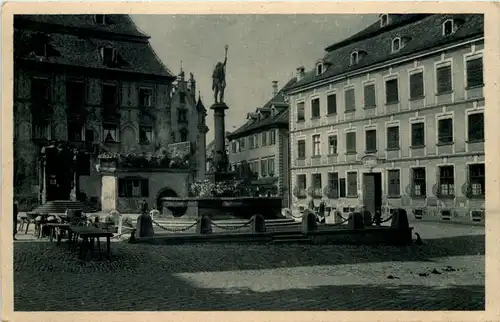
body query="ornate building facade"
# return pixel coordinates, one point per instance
(394, 116)
(95, 83)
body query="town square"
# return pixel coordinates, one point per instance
(158, 167)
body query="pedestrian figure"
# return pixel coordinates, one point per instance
(377, 218)
(321, 212)
(15, 212)
(144, 207)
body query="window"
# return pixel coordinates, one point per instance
(369, 96)
(42, 131)
(242, 144)
(342, 188)
(316, 145)
(350, 103)
(272, 137)
(332, 144)
(371, 141)
(40, 90)
(446, 181)
(263, 138)
(418, 182)
(108, 55)
(110, 133)
(418, 134)
(393, 137)
(475, 72)
(350, 139)
(109, 94)
(184, 135)
(331, 102)
(316, 185)
(333, 184)
(270, 166)
(391, 91)
(182, 115)
(444, 80)
(75, 95)
(354, 58)
(352, 184)
(448, 27)
(319, 69)
(393, 189)
(384, 20)
(301, 185)
(300, 112)
(145, 97)
(445, 131)
(301, 147)
(75, 131)
(263, 167)
(100, 19)
(133, 188)
(256, 141)
(146, 134)
(182, 97)
(315, 112)
(251, 143)
(475, 127)
(396, 44)
(233, 147)
(417, 85)
(89, 135)
(477, 179)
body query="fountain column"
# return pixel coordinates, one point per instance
(220, 156)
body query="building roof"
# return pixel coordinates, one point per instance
(73, 47)
(421, 33)
(278, 119)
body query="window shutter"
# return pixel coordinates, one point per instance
(444, 79)
(475, 72)
(145, 188)
(416, 85)
(350, 104)
(370, 96)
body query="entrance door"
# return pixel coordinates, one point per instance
(372, 192)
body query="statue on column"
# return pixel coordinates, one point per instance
(219, 79)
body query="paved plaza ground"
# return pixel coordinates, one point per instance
(258, 277)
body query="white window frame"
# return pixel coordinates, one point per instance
(453, 27)
(390, 77)
(414, 120)
(389, 124)
(329, 93)
(367, 83)
(393, 49)
(117, 127)
(320, 68)
(400, 181)
(113, 53)
(381, 19)
(300, 101)
(438, 177)
(413, 71)
(301, 138)
(354, 58)
(314, 135)
(469, 163)
(347, 88)
(350, 130)
(443, 63)
(152, 133)
(471, 56)
(443, 116)
(410, 177)
(311, 99)
(366, 128)
(329, 135)
(471, 111)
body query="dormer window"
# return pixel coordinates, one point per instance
(319, 68)
(384, 20)
(449, 27)
(108, 55)
(396, 44)
(354, 58)
(100, 19)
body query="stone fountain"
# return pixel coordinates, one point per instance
(221, 196)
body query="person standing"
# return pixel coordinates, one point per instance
(15, 211)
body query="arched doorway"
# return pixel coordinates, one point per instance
(165, 192)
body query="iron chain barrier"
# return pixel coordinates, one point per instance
(232, 228)
(175, 230)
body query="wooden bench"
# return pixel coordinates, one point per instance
(87, 234)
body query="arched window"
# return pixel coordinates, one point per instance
(396, 44)
(448, 27)
(354, 58)
(108, 55)
(384, 20)
(319, 68)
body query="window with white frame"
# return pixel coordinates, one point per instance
(350, 100)
(396, 44)
(475, 123)
(300, 112)
(369, 96)
(354, 58)
(333, 184)
(446, 180)
(108, 55)
(263, 138)
(475, 72)
(270, 167)
(393, 183)
(477, 179)
(331, 104)
(272, 137)
(319, 69)
(418, 182)
(301, 185)
(391, 91)
(350, 139)
(445, 130)
(145, 97)
(316, 141)
(332, 144)
(418, 134)
(110, 132)
(263, 167)
(315, 108)
(444, 79)
(417, 85)
(145, 134)
(384, 20)
(448, 27)
(371, 141)
(301, 149)
(316, 184)
(393, 137)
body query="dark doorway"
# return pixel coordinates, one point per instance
(372, 192)
(166, 192)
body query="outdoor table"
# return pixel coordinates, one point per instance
(60, 226)
(87, 233)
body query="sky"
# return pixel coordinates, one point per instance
(262, 49)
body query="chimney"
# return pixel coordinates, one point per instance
(300, 72)
(275, 88)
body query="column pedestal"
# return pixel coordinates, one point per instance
(219, 156)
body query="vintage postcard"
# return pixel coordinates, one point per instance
(250, 161)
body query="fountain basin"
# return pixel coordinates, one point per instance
(222, 207)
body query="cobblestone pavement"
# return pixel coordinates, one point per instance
(258, 277)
